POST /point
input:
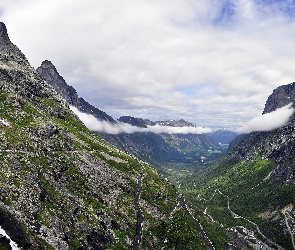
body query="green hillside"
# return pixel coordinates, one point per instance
(239, 196)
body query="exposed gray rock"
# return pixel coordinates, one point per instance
(280, 97)
(48, 71)
(138, 122)
(7, 47)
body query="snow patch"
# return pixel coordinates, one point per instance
(12, 243)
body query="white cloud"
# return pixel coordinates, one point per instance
(105, 127)
(161, 58)
(269, 121)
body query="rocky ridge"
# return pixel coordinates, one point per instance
(61, 186)
(133, 121)
(49, 73)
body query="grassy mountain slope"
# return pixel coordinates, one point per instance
(246, 194)
(61, 186)
(251, 191)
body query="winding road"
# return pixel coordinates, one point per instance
(236, 216)
(140, 217)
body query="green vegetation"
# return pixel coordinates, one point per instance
(181, 232)
(59, 176)
(249, 193)
(71, 177)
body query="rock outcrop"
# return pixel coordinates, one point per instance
(280, 97)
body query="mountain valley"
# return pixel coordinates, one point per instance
(63, 186)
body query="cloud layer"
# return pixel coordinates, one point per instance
(105, 127)
(269, 121)
(211, 62)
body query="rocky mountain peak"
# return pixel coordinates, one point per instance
(175, 123)
(7, 48)
(48, 64)
(3, 33)
(49, 73)
(280, 97)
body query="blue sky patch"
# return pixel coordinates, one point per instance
(225, 14)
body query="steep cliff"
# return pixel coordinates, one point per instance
(280, 97)
(277, 145)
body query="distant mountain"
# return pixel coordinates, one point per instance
(143, 123)
(138, 122)
(175, 123)
(49, 73)
(251, 191)
(223, 136)
(163, 150)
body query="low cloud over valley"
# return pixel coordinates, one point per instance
(269, 121)
(105, 127)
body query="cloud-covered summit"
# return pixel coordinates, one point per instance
(269, 121)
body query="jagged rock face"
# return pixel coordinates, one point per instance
(49, 73)
(280, 97)
(6, 46)
(277, 145)
(5, 41)
(61, 186)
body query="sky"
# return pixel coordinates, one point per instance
(210, 62)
